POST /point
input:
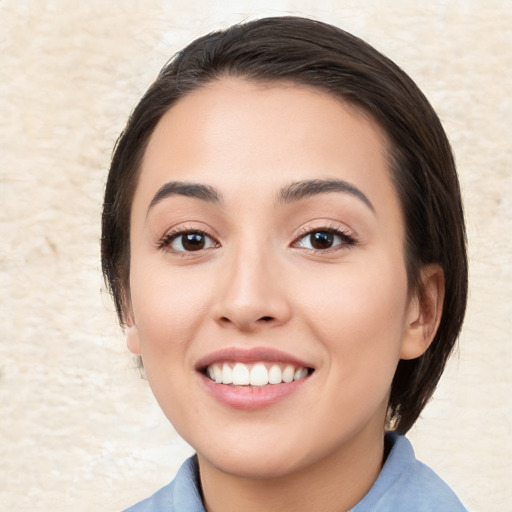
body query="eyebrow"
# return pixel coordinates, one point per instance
(307, 188)
(293, 192)
(178, 188)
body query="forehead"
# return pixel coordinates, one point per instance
(236, 132)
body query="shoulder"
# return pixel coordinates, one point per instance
(160, 501)
(404, 482)
(183, 493)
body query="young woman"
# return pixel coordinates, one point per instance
(284, 239)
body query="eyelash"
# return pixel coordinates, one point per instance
(346, 239)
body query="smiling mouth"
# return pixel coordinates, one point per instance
(257, 374)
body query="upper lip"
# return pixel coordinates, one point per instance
(252, 355)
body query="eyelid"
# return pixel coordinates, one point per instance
(324, 225)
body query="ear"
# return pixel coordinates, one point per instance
(132, 335)
(424, 313)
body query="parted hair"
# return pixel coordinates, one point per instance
(316, 54)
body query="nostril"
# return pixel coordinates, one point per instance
(247, 322)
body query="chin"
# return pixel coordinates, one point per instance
(258, 465)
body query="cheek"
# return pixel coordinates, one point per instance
(168, 307)
(359, 315)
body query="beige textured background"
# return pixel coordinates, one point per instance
(79, 430)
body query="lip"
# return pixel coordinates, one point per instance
(253, 355)
(250, 397)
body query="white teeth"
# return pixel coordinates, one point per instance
(227, 374)
(217, 373)
(275, 375)
(300, 373)
(240, 375)
(288, 373)
(259, 375)
(256, 375)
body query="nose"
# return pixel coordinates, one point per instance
(252, 295)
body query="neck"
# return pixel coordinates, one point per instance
(333, 484)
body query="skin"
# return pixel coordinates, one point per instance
(346, 311)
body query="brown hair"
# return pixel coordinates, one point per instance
(423, 169)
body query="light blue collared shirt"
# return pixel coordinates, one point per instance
(404, 485)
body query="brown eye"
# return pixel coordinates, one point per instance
(193, 241)
(321, 239)
(324, 239)
(190, 241)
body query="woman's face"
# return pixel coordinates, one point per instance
(268, 286)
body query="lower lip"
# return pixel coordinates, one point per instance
(251, 397)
